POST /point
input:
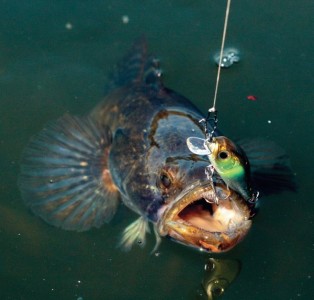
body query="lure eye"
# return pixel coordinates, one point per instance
(165, 180)
(223, 155)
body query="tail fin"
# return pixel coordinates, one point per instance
(64, 177)
(136, 68)
(270, 166)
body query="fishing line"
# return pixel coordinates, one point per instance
(200, 146)
(215, 147)
(213, 110)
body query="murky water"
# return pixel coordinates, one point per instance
(54, 58)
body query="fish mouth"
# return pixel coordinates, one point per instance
(195, 219)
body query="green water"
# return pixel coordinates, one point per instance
(47, 70)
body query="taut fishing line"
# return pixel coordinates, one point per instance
(213, 110)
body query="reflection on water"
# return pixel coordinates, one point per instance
(47, 69)
(220, 273)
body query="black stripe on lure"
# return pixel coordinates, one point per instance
(228, 160)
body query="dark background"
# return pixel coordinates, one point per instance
(47, 70)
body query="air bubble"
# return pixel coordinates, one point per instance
(125, 19)
(68, 26)
(229, 57)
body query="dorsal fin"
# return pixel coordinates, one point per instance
(136, 68)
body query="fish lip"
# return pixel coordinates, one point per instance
(234, 218)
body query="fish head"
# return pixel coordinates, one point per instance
(189, 212)
(185, 207)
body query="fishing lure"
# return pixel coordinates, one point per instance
(228, 160)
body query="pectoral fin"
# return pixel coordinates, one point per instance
(64, 174)
(135, 233)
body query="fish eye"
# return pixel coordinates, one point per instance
(223, 154)
(165, 180)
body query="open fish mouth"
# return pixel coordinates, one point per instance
(194, 218)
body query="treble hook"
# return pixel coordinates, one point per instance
(254, 198)
(211, 120)
(209, 171)
(252, 204)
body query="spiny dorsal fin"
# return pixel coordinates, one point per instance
(136, 68)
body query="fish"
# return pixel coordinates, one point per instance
(131, 149)
(229, 161)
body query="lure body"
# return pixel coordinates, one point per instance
(228, 160)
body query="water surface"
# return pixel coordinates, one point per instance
(54, 58)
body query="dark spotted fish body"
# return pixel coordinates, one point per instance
(150, 125)
(132, 147)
